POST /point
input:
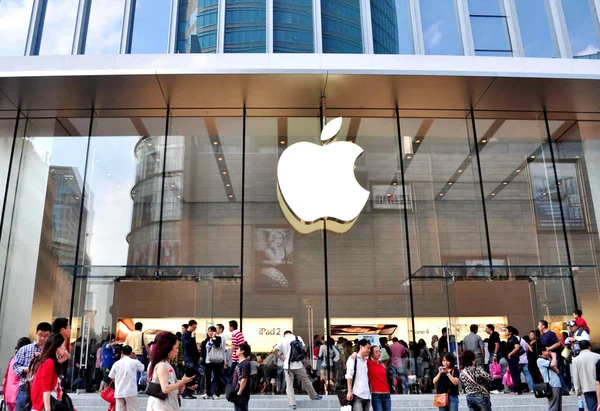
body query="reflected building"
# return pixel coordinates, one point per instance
(385, 27)
(197, 26)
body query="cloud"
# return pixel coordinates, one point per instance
(14, 23)
(433, 34)
(590, 49)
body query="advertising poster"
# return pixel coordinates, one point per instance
(274, 259)
(395, 200)
(546, 195)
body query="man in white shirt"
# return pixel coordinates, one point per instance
(358, 380)
(124, 372)
(294, 368)
(584, 374)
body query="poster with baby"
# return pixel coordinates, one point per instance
(274, 259)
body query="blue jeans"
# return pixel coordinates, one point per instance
(479, 403)
(23, 403)
(381, 402)
(525, 370)
(400, 372)
(591, 402)
(452, 404)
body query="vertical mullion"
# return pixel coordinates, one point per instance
(514, 32)
(366, 26)
(162, 192)
(174, 21)
(221, 26)
(242, 216)
(81, 27)
(269, 26)
(317, 23)
(406, 229)
(127, 27)
(36, 27)
(560, 205)
(81, 208)
(417, 27)
(464, 22)
(560, 29)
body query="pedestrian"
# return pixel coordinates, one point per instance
(550, 373)
(584, 374)
(474, 342)
(45, 370)
(398, 370)
(446, 380)
(532, 355)
(329, 357)
(10, 386)
(108, 358)
(22, 360)
(161, 371)
(293, 366)
(215, 357)
(517, 360)
(549, 339)
(380, 389)
(443, 342)
(576, 335)
(123, 373)
(357, 375)
(241, 377)
(578, 317)
(191, 357)
(493, 344)
(474, 380)
(237, 339)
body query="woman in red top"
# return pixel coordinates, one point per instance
(380, 390)
(45, 370)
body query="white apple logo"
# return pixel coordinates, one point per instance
(317, 183)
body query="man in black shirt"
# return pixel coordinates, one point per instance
(443, 342)
(241, 376)
(493, 344)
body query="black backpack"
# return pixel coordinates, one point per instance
(296, 351)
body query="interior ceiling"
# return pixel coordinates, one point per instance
(296, 91)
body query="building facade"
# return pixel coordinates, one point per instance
(140, 139)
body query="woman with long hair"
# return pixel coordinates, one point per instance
(446, 381)
(474, 381)
(11, 380)
(46, 369)
(330, 358)
(166, 348)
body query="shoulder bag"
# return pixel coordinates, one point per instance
(543, 389)
(108, 394)
(231, 390)
(64, 404)
(342, 394)
(442, 400)
(153, 389)
(215, 355)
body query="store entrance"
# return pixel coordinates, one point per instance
(110, 300)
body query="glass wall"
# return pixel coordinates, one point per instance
(57, 27)
(150, 31)
(197, 26)
(490, 28)
(245, 26)
(293, 26)
(392, 27)
(583, 28)
(14, 23)
(441, 28)
(104, 27)
(537, 29)
(341, 26)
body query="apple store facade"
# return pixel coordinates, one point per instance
(144, 187)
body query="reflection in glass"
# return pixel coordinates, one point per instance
(293, 26)
(341, 26)
(245, 26)
(197, 26)
(104, 27)
(150, 33)
(489, 28)
(392, 27)
(536, 27)
(14, 23)
(583, 27)
(58, 27)
(441, 29)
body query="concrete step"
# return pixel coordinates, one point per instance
(93, 402)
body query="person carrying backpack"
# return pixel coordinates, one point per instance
(294, 353)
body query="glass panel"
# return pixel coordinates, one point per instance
(577, 152)
(490, 34)
(293, 26)
(536, 27)
(150, 33)
(14, 24)
(42, 216)
(486, 7)
(583, 28)
(392, 27)
(245, 26)
(284, 280)
(341, 26)
(104, 27)
(197, 30)
(441, 29)
(58, 27)
(203, 192)
(371, 257)
(524, 221)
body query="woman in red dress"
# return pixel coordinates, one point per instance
(45, 370)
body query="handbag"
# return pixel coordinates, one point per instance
(153, 389)
(64, 404)
(496, 370)
(566, 352)
(543, 389)
(108, 394)
(507, 379)
(342, 394)
(215, 355)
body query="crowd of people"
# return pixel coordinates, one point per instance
(362, 373)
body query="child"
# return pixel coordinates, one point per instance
(578, 317)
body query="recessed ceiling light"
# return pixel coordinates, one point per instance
(484, 141)
(230, 195)
(282, 142)
(76, 198)
(216, 143)
(493, 194)
(394, 183)
(227, 185)
(417, 141)
(220, 158)
(460, 171)
(505, 183)
(409, 157)
(559, 183)
(441, 194)
(149, 144)
(450, 183)
(224, 172)
(172, 185)
(518, 170)
(532, 157)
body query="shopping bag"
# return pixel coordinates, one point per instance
(507, 379)
(346, 408)
(108, 394)
(496, 370)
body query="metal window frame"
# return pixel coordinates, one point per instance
(172, 46)
(560, 29)
(269, 26)
(127, 26)
(514, 32)
(81, 27)
(464, 24)
(366, 27)
(317, 25)
(36, 27)
(221, 27)
(417, 26)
